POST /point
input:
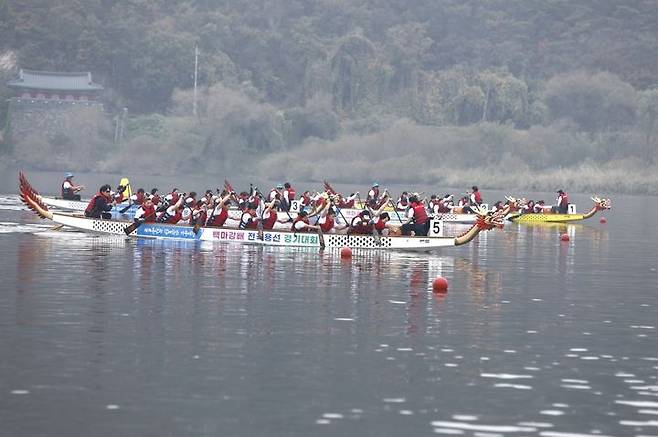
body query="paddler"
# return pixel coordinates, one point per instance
(562, 206)
(139, 197)
(146, 212)
(173, 213)
(219, 213)
(69, 189)
(475, 197)
(101, 203)
(361, 223)
(403, 202)
(301, 223)
(270, 216)
(288, 196)
(328, 224)
(417, 222)
(372, 199)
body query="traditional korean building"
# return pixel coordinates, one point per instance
(53, 105)
(44, 85)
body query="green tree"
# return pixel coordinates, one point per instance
(598, 102)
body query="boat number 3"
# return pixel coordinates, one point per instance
(436, 228)
(294, 205)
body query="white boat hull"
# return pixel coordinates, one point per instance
(250, 236)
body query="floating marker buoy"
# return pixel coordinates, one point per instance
(603, 220)
(440, 285)
(346, 252)
(564, 237)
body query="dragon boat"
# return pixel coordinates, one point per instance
(32, 200)
(546, 217)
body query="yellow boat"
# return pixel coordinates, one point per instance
(599, 205)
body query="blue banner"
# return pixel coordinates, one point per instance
(164, 231)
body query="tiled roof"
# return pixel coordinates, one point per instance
(46, 80)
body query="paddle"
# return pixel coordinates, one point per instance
(130, 228)
(360, 201)
(390, 202)
(126, 208)
(197, 226)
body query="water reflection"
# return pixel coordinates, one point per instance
(185, 334)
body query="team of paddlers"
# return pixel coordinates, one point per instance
(262, 212)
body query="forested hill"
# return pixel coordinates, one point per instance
(277, 75)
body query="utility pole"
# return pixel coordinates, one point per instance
(196, 69)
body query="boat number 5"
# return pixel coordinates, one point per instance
(436, 228)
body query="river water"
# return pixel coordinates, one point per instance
(108, 336)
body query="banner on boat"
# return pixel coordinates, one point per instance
(152, 230)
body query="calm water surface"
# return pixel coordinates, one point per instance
(107, 336)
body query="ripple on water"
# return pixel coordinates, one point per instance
(516, 386)
(480, 427)
(569, 434)
(505, 376)
(20, 392)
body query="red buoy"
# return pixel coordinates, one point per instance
(440, 285)
(564, 237)
(346, 252)
(603, 220)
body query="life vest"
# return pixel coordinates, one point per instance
(219, 219)
(175, 195)
(155, 199)
(564, 200)
(320, 203)
(359, 226)
(91, 206)
(166, 217)
(328, 224)
(139, 198)
(247, 221)
(149, 213)
(403, 202)
(175, 218)
(477, 197)
(420, 214)
(380, 225)
(67, 192)
(268, 223)
(373, 198)
(200, 218)
(306, 200)
(274, 194)
(299, 219)
(291, 193)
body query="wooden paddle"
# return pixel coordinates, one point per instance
(130, 228)
(321, 236)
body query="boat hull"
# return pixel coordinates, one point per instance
(546, 218)
(248, 236)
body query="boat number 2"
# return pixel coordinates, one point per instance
(436, 228)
